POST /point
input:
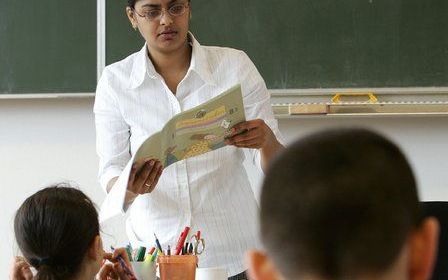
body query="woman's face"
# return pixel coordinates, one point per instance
(162, 23)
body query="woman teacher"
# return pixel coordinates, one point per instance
(135, 98)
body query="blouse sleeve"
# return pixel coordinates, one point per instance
(257, 102)
(112, 132)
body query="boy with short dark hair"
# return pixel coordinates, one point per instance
(343, 204)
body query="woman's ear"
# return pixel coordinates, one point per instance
(423, 249)
(260, 267)
(131, 16)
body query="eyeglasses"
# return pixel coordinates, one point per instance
(175, 10)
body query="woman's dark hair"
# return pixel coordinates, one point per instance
(54, 229)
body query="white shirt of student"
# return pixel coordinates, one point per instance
(210, 192)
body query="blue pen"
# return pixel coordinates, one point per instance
(124, 266)
(158, 245)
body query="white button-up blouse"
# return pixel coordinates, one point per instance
(210, 192)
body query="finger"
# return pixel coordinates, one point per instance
(27, 274)
(132, 177)
(247, 125)
(153, 175)
(143, 177)
(18, 267)
(249, 144)
(108, 256)
(249, 135)
(120, 272)
(122, 252)
(146, 170)
(105, 271)
(156, 180)
(135, 170)
(153, 178)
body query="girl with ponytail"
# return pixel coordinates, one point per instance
(57, 231)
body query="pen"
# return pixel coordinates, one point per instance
(158, 244)
(186, 248)
(168, 252)
(123, 265)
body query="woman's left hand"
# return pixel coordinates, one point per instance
(254, 134)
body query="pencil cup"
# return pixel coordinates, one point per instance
(177, 267)
(144, 270)
(211, 273)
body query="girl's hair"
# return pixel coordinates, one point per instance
(131, 3)
(54, 228)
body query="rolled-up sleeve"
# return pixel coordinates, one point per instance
(257, 102)
(112, 132)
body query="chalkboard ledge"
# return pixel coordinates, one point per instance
(48, 95)
(317, 95)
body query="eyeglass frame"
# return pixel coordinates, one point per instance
(165, 10)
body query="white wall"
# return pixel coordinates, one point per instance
(43, 141)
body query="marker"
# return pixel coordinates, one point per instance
(154, 255)
(168, 252)
(152, 250)
(149, 255)
(141, 253)
(181, 241)
(129, 252)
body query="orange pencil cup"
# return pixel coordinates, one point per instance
(177, 267)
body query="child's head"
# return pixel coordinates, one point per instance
(57, 231)
(343, 204)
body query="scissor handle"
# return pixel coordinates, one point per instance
(196, 250)
(194, 238)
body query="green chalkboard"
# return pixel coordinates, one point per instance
(318, 43)
(121, 39)
(47, 46)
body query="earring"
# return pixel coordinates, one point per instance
(135, 27)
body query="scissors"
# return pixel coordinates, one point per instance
(198, 243)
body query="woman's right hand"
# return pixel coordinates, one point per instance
(144, 176)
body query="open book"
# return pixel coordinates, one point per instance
(191, 133)
(196, 131)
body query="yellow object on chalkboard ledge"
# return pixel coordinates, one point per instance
(360, 104)
(337, 97)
